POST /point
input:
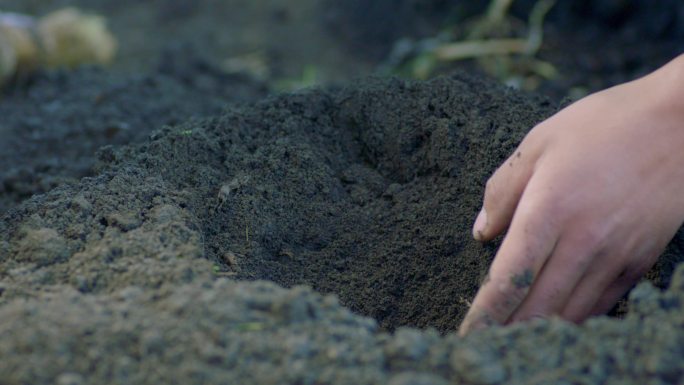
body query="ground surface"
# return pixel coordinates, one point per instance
(53, 128)
(366, 193)
(179, 257)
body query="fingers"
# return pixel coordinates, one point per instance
(587, 296)
(502, 193)
(558, 278)
(625, 281)
(505, 187)
(611, 296)
(602, 283)
(522, 255)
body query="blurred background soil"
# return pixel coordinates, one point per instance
(274, 39)
(593, 43)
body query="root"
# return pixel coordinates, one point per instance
(478, 48)
(494, 54)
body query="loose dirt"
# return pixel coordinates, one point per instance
(142, 272)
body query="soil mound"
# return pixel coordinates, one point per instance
(366, 192)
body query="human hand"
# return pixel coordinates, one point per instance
(591, 197)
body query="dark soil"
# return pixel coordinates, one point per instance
(176, 252)
(366, 192)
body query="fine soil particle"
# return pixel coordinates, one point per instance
(524, 280)
(367, 193)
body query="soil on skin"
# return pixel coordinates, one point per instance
(366, 192)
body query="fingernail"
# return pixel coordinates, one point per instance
(480, 224)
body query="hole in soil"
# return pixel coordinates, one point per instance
(343, 198)
(370, 199)
(327, 189)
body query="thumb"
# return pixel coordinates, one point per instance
(502, 193)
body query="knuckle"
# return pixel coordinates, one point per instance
(594, 237)
(544, 215)
(510, 292)
(551, 205)
(591, 238)
(535, 136)
(490, 315)
(518, 288)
